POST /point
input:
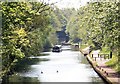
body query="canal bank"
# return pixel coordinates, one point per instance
(107, 73)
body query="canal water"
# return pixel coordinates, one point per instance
(66, 66)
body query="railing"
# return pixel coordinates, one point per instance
(105, 56)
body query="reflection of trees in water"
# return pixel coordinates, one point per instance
(82, 59)
(42, 54)
(16, 78)
(19, 79)
(75, 47)
(24, 65)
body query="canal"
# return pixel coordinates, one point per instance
(66, 66)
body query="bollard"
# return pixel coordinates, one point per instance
(106, 73)
(108, 56)
(99, 67)
(104, 56)
(95, 58)
(92, 55)
(100, 58)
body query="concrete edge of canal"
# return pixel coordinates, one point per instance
(94, 65)
(97, 69)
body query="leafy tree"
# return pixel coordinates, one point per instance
(13, 32)
(101, 24)
(25, 27)
(97, 23)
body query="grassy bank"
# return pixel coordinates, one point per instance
(114, 63)
(82, 46)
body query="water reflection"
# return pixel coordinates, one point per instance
(25, 65)
(66, 66)
(18, 78)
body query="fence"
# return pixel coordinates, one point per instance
(101, 56)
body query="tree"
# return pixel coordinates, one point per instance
(22, 31)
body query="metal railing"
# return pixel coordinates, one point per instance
(100, 56)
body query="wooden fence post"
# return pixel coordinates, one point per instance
(92, 55)
(100, 57)
(95, 58)
(104, 56)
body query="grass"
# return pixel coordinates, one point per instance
(105, 50)
(82, 46)
(113, 63)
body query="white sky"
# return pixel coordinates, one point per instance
(68, 3)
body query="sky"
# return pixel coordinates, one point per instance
(68, 3)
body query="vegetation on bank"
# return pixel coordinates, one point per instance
(82, 46)
(23, 34)
(27, 29)
(114, 62)
(30, 27)
(97, 25)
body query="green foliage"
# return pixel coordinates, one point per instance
(98, 24)
(55, 21)
(72, 25)
(53, 38)
(25, 27)
(83, 46)
(105, 50)
(58, 22)
(114, 63)
(58, 19)
(13, 33)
